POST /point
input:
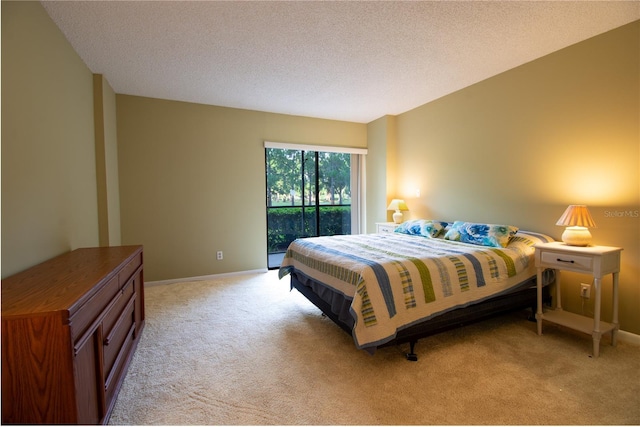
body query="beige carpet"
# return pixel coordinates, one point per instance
(244, 350)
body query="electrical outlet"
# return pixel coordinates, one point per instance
(219, 255)
(585, 290)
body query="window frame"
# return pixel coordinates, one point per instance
(358, 176)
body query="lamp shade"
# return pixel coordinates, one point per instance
(576, 215)
(397, 205)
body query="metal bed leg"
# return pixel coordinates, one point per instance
(532, 317)
(411, 355)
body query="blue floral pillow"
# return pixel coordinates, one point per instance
(421, 227)
(481, 234)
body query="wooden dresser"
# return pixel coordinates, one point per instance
(69, 329)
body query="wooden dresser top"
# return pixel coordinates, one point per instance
(63, 282)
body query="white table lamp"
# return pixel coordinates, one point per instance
(578, 220)
(397, 205)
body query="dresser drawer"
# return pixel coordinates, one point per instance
(128, 270)
(120, 301)
(567, 261)
(115, 376)
(80, 321)
(115, 340)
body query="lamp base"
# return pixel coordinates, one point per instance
(576, 236)
(397, 217)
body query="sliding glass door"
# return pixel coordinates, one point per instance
(308, 194)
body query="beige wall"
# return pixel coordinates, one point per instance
(192, 181)
(381, 177)
(521, 146)
(49, 201)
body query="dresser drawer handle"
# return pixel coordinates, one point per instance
(565, 260)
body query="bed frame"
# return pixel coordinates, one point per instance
(330, 304)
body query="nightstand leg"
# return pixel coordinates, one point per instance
(539, 297)
(614, 320)
(597, 282)
(558, 304)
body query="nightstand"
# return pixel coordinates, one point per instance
(595, 260)
(385, 227)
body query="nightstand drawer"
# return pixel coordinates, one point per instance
(569, 261)
(386, 227)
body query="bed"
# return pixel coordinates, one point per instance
(426, 277)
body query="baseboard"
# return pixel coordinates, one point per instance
(200, 278)
(629, 338)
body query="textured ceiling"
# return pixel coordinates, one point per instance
(354, 61)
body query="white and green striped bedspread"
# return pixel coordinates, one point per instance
(396, 280)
